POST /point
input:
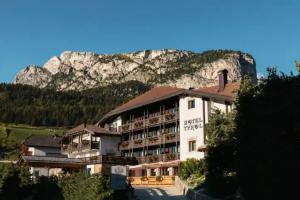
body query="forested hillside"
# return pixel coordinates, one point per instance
(23, 104)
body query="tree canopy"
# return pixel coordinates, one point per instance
(23, 104)
(268, 132)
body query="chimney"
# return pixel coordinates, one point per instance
(222, 79)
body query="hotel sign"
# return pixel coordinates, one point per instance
(193, 124)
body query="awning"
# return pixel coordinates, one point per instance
(174, 163)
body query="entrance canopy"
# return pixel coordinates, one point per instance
(155, 165)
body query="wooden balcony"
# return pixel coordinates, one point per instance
(151, 141)
(154, 121)
(138, 143)
(170, 156)
(171, 137)
(125, 145)
(85, 145)
(169, 117)
(138, 124)
(158, 158)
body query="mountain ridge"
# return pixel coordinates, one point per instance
(179, 68)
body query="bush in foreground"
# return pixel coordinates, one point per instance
(15, 184)
(268, 137)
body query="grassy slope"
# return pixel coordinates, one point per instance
(18, 133)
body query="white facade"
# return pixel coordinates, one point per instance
(43, 151)
(191, 127)
(192, 121)
(107, 145)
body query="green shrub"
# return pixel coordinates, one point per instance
(84, 187)
(190, 167)
(195, 180)
(159, 178)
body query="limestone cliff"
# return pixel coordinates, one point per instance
(82, 70)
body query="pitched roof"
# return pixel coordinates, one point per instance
(52, 160)
(153, 95)
(164, 92)
(43, 141)
(91, 128)
(230, 90)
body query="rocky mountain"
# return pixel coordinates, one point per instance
(83, 70)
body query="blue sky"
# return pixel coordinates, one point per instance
(32, 31)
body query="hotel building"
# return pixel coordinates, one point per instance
(167, 125)
(151, 134)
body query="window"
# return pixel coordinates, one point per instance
(95, 139)
(191, 104)
(192, 145)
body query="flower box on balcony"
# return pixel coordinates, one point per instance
(125, 127)
(153, 158)
(139, 141)
(154, 120)
(170, 156)
(170, 136)
(153, 140)
(169, 116)
(138, 124)
(125, 144)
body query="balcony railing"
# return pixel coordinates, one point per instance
(136, 124)
(150, 141)
(78, 147)
(154, 120)
(169, 117)
(139, 124)
(158, 158)
(125, 127)
(153, 140)
(138, 143)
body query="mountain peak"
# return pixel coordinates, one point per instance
(81, 70)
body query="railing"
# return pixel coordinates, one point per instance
(139, 124)
(166, 117)
(77, 147)
(152, 180)
(105, 159)
(151, 141)
(125, 127)
(154, 120)
(158, 158)
(138, 143)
